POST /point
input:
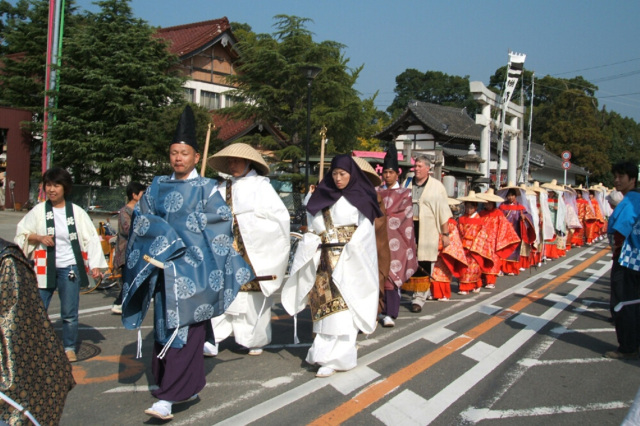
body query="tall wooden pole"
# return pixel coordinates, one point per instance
(206, 150)
(323, 140)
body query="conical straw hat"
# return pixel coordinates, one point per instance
(219, 160)
(553, 185)
(527, 189)
(453, 201)
(536, 187)
(491, 196)
(472, 197)
(510, 185)
(368, 170)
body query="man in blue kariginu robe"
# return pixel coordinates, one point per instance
(180, 255)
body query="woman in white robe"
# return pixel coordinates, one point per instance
(335, 268)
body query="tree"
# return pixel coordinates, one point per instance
(269, 77)
(23, 48)
(573, 124)
(23, 41)
(434, 87)
(379, 120)
(116, 81)
(624, 134)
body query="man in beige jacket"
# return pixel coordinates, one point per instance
(430, 215)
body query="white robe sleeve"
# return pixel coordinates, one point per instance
(264, 223)
(356, 276)
(303, 274)
(32, 223)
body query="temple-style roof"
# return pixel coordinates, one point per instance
(231, 129)
(551, 161)
(190, 39)
(445, 123)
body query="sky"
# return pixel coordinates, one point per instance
(598, 40)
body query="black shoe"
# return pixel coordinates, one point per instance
(621, 355)
(416, 308)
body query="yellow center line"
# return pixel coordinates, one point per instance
(380, 389)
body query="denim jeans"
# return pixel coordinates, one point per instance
(69, 292)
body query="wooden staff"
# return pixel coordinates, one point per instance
(206, 149)
(323, 133)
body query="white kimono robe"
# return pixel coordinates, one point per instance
(35, 222)
(548, 230)
(264, 223)
(355, 276)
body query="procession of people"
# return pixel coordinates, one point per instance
(211, 254)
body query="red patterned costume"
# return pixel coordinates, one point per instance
(598, 226)
(450, 261)
(522, 223)
(477, 251)
(587, 219)
(401, 237)
(502, 239)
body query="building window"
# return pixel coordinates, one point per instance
(209, 100)
(189, 95)
(232, 100)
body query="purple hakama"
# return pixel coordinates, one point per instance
(180, 374)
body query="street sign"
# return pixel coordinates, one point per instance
(566, 165)
(566, 155)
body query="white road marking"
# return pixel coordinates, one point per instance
(479, 351)
(489, 309)
(106, 328)
(529, 362)
(477, 414)
(406, 409)
(358, 377)
(437, 336)
(562, 330)
(84, 311)
(525, 291)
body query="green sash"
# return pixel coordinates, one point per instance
(75, 245)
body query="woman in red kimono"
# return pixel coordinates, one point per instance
(596, 231)
(522, 223)
(475, 243)
(587, 218)
(450, 259)
(503, 239)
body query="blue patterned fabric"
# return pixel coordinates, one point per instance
(626, 220)
(186, 226)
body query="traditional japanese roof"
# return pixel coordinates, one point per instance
(190, 39)
(446, 123)
(552, 161)
(461, 151)
(231, 129)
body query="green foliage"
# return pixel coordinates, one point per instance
(576, 127)
(115, 84)
(380, 120)
(624, 134)
(433, 87)
(270, 76)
